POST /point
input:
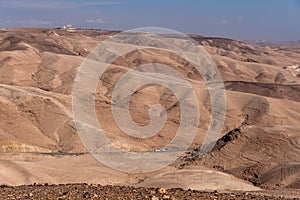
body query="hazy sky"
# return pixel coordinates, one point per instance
(239, 19)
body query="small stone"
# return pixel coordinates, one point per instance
(162, 190)
(166, 197)
(95, 196)
(154, 198)
(86, 195)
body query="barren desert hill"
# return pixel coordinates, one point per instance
(259, 145)
(279, 44)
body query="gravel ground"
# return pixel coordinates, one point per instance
(85, 191)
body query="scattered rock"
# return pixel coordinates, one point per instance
(121, 192)
(95, 196)
(86, 195)
(162, 190)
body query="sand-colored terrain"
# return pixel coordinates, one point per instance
(260, 142)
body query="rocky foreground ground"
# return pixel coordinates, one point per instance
(85, 191)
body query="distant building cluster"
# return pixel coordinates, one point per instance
(69, 27)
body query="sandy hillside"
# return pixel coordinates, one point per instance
(259, 146)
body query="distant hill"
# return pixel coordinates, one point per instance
(274, 43)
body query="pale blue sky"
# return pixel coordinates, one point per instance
(239, 19)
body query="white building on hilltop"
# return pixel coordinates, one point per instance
(69, 27)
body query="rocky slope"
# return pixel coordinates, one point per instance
(260, 142)
(84, 191)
